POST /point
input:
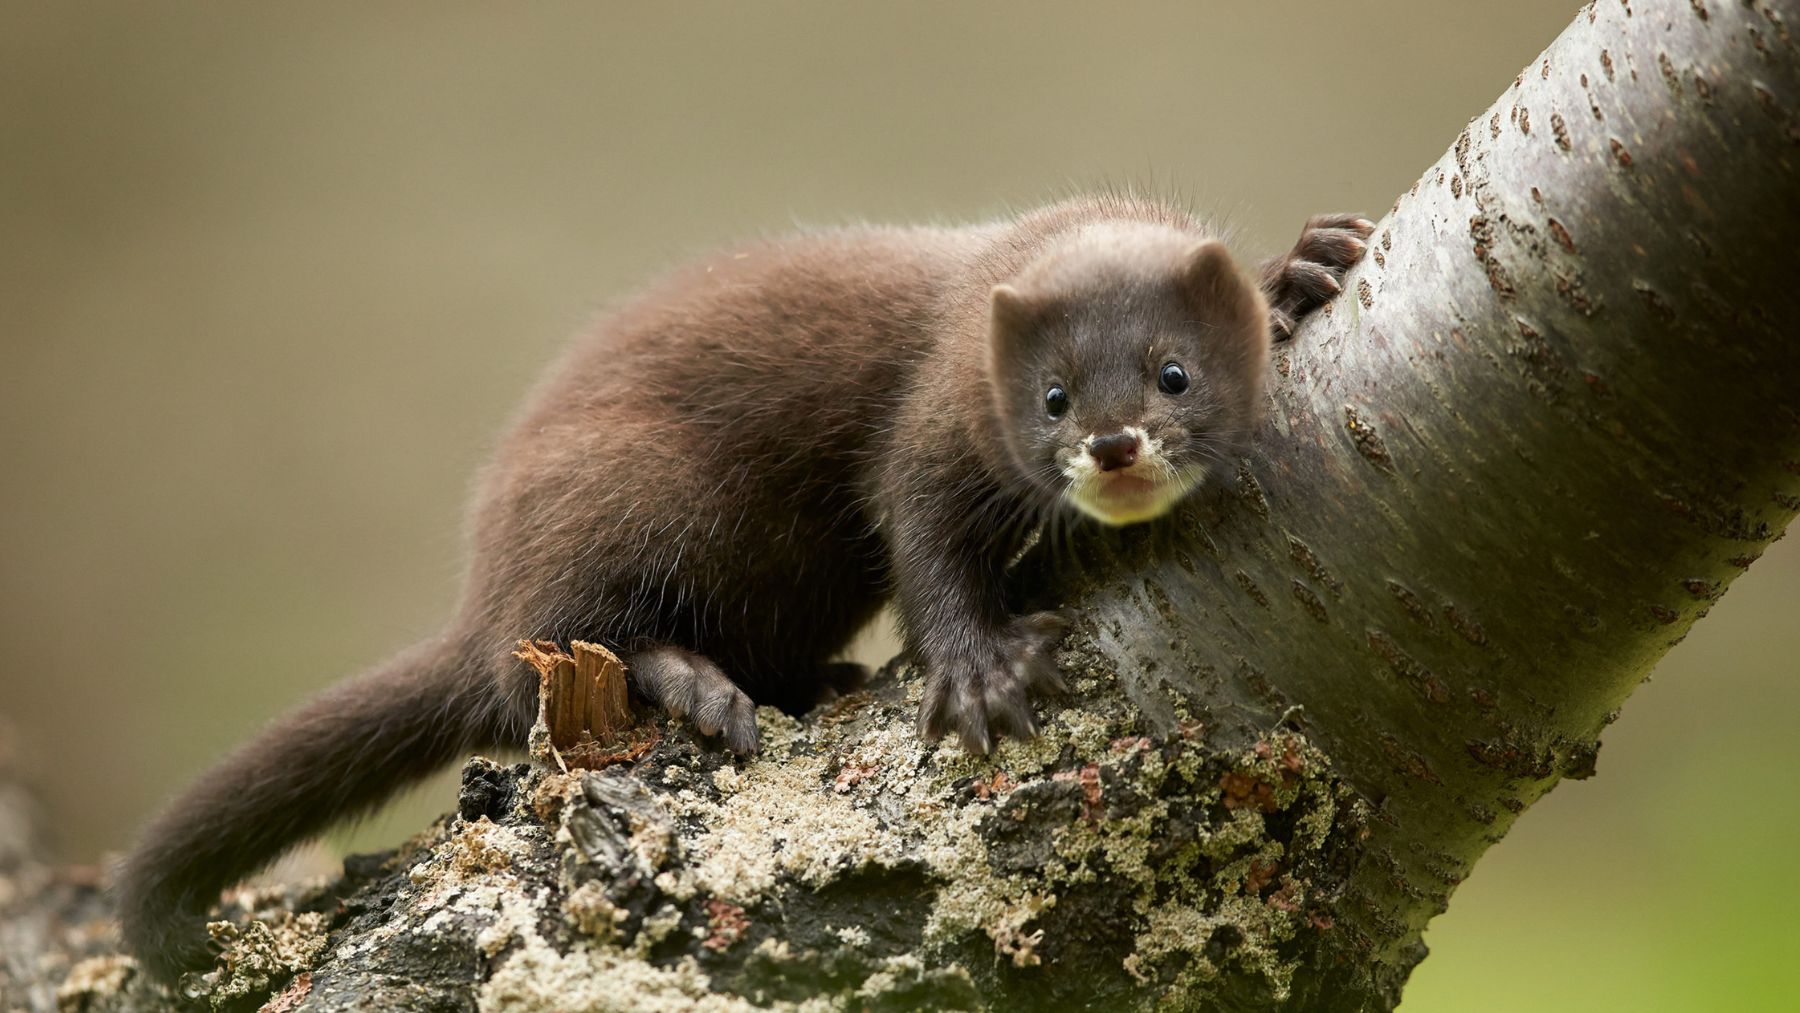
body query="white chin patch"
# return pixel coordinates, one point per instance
(1145, 491)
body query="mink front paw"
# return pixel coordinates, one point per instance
(986, 690)
(1312, 272)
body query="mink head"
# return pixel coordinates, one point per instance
(1126, 361)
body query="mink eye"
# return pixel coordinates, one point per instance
(1056, 402)
(1173, 379)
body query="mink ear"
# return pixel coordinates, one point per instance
(1219, 294)
(1212, 284)
(1014, 316)
(1014, 312)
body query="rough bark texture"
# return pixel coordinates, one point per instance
(1549, 421)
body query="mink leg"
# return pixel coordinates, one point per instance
(985, 691)
(690, 685)
(1307, 276)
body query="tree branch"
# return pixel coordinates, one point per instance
(1552, 417)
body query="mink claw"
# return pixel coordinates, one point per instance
(1310, 274)
(740, 731)
(975, 737)
(1012, 717)
(1348, 220)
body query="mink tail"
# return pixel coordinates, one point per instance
(338, 756)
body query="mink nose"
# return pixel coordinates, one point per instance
(1114, 452)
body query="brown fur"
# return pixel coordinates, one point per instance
(730, 476)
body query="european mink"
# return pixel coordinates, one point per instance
(730, 475)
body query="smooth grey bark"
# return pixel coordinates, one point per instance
(1549, 421)
(1554, 418)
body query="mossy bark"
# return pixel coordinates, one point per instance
(1550, 420)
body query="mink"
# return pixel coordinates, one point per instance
(729, 476)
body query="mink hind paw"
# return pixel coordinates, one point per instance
(1310, 274)
(689, 685)
(987, 691)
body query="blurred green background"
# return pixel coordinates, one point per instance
(274, 276)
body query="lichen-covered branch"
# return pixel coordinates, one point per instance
(1548, 423)
(848, 865)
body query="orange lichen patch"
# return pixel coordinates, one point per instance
(1247, 791)
(999, 784)
(726, 922)
(290, 998)
(1089, 779)
(1261, 874)
(851, 775)
(1291, 759)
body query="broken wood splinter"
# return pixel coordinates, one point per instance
(584, 707)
